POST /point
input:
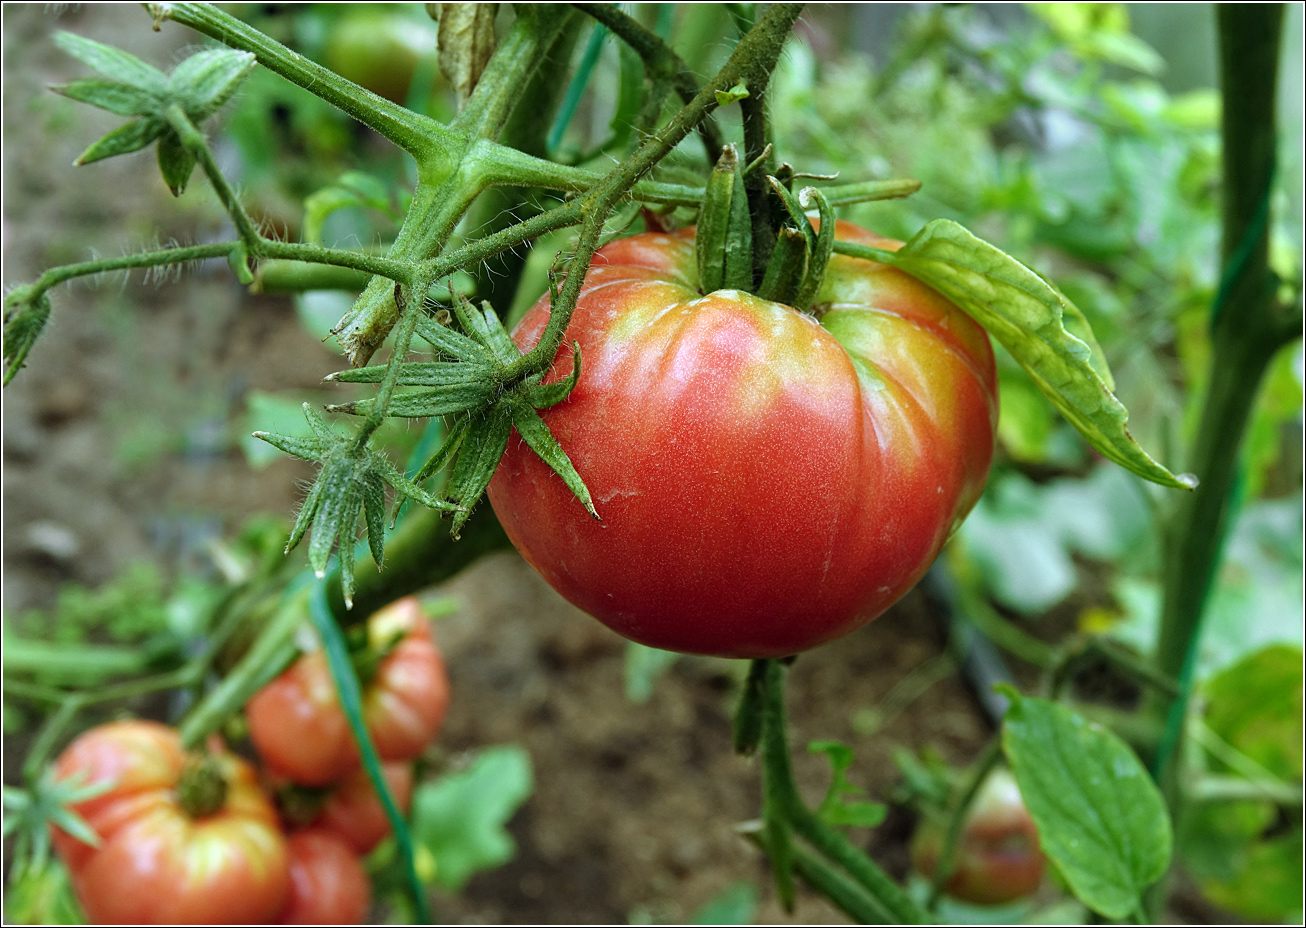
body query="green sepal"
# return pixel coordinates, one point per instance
(871, 190)
(113, 96)
(714, 220)
(739, 239)
(419, 373)
(124, 140)
(497, 338)
(473, 324)
(347, 584)
(482, 449)
(392, 475)
(797, 218)
(305, 517)
(537, 435)
(544, 395)
(207, 79)
(310, 449)
(338, 497)
(25, 319)
(437, 401)
(445, 453)
(113, 63)
(785, 269)
(452, 343)
(374, 514)
(176, 162)
(820, 256)
(1038, 326)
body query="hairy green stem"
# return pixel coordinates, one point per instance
(842, 892)
(805, 823)
(1248, 328)
(269, 653)
(660, 62)
(416, 134)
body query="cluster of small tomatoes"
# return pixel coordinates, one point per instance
(205, 837)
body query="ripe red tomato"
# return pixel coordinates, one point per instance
(354, 811)
(156, 864)
(767, 481)
(998, 856)
(299, 728)
(328, 885)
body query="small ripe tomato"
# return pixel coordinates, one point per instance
(298, 726)
(157, 864)
(767, 481)
(328, 885)
(998, 856)
(354, 811)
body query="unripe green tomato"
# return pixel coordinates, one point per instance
(998, 855)
(379, 50)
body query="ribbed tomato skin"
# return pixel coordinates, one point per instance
(156, 865)
(328, 884)
(766, 482)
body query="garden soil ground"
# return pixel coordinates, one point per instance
(118, 447)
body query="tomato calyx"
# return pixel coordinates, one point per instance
(202, 788)
(795, 267)
(480, 382)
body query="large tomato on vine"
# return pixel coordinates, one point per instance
(298, 726)
(767, 480)
(157, 862)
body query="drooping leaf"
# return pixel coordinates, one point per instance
(25, 319)
(466, 42)
(1100, 817)
(1037, 325)
(460, 817)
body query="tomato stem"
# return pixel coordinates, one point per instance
(947, 861)
(782, 800)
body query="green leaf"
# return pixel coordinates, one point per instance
(113, 63)
(643, 666)
(834, 808)
(113, 96)
(1256, 706)
(734, 905)
(207, 79)
(1100, 817)
(1232, 853)
(123, 141)
(1037, 325)
(460, 817)
(733, 95)
(351, 189)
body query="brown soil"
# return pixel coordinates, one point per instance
(119, 444)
